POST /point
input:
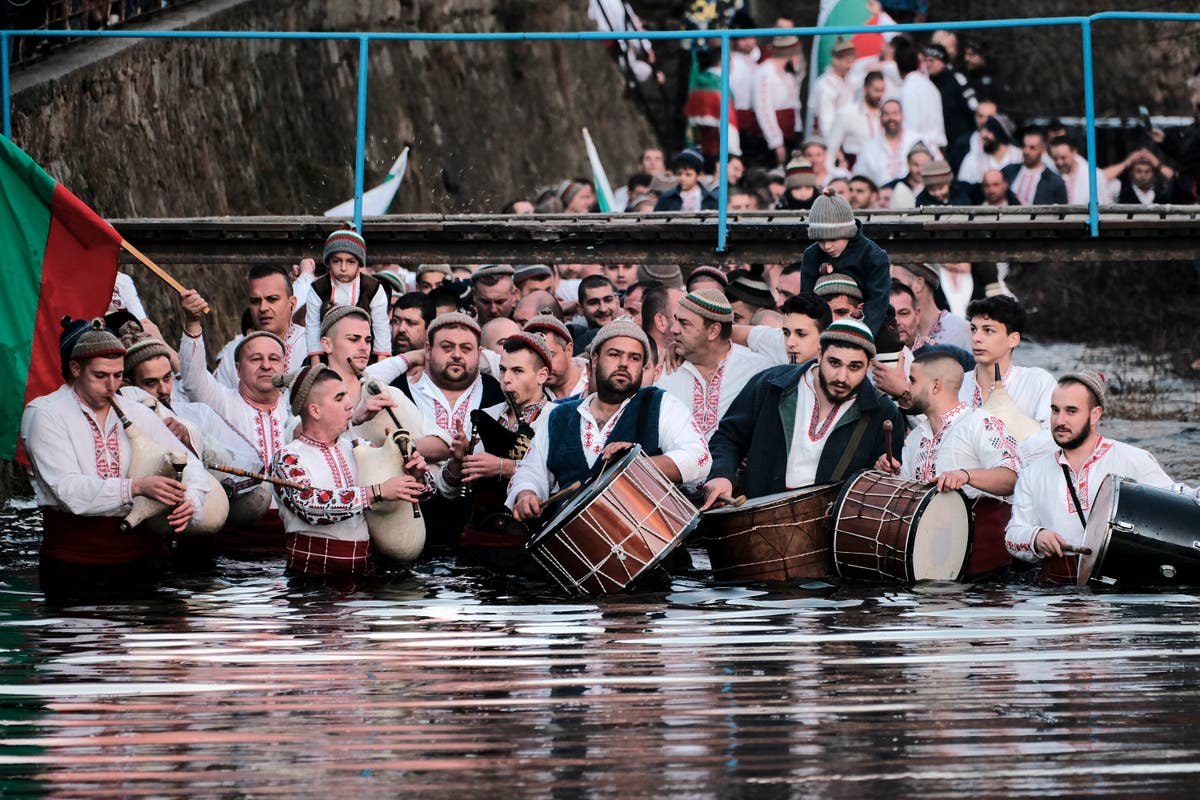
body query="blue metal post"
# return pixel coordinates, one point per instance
(4, 84)
(360, 136)
(723, 171)
(1089, 103)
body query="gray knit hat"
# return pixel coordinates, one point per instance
(339, 313)
(141, 348)
(621, 326)
(712, 273)
(668, 275)
(710, 304)
(851, 332)
(530, 271)
(750, 287)
(547, 323)
(442, 268)
(454, 319)
(831, 218)
(836, 284)
(300, 383)
(346, 239)
(237, 351)
(493, 271)
(1094, 381)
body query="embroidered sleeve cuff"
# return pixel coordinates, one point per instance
(364, 496)
(126, 491)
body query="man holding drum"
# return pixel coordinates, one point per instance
(326, 530)
(803, 424)
(1054, 494)
(616, 414)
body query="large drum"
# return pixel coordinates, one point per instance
(1140, 535)
(614, 530)
(889, 529)
(780, 537)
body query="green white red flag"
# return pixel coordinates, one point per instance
(59, 259)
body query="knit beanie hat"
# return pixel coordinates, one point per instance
(548, 324)
(534, 341)
(750, 287)
(339, 313)
(83, 339)
(843, 47)
(831, 218)
(850, 332)
(237, 351)
(531, 271)
(836, 284)
(1094, 381)
(442, 268)
(346, 240)
(690, 157)
(936, 173)
(141, 349)
(493, 270)
(454, 319)
(799, 174)
(710, 304)
(708, 272)
(999, 128)
(392, 281)
(301, 383)
(926, 272)
(668, 275)
(621, 326)
(918, 149)
(814, 138)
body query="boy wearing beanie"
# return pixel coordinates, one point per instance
(840, 246)
(347, 284)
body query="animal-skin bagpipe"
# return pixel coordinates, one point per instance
(490, 514)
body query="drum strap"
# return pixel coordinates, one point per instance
(1074, 497)
(856, 435)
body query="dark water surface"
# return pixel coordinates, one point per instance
(447, 683)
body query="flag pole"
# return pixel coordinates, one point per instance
(156, 269)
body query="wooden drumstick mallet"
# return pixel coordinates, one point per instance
(560, 494)
(887, 442)
(1083, 551)
(736, 502)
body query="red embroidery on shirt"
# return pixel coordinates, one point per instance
(1081, 478)
(107, 449)
(706, 401)
(334, 459)
(595, 438)
(1002, 440)
(935, 333)
(927, 454)
(816, 434)
(977, 396)
(442, 414)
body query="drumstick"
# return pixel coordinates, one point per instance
(561, 493)
(736, 502)
(242, 473)
(887, 441)
(1083, 551)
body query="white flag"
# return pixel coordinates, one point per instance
(375, 201)
(604, 192)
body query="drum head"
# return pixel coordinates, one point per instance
(942, 539)
(768, 500)
(586, 494)
(1099, 527)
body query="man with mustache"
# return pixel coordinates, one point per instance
(1054, 495)
(805, 424)
(618, 413)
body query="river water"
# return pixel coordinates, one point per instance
(445, 681)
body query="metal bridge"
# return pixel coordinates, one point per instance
(952, 234)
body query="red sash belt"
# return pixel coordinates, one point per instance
(95, 541)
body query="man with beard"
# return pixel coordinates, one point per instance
(617, 414)
(1032, 181)
(957, 447)
(712, 369)
(410, 319)
(1054, 495)
(568, 374)
(885, 158)
(856, 124)
(272, 303)
(816, 422)
(326, 529)
(996, 151)
(446, 394)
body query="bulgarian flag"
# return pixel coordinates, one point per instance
(59, 259)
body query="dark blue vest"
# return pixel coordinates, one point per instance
(567, 461)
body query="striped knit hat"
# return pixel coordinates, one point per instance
(339, 313)
(712, 273)
(799, 173)
(530, 271)
(709, 304)
(530, 341)
(547, 323)
(836, 284)
(346, 240)
(83, 339)
(455, 319)
(831, 218)
(301, 383)
(850, 332)
(141, 348)
(750, 287)
(621, 326)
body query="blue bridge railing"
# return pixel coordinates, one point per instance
(365, 39)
